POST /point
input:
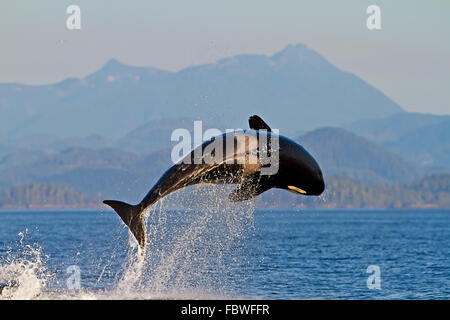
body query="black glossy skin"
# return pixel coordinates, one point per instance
(296, 168)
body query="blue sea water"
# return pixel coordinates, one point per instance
(276, 254)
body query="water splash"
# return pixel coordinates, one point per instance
(23, 274)
(193, 251)
(196, 249)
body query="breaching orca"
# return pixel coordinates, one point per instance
(297, 171)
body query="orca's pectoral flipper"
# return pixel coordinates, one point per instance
(252, 186)
(133, 218)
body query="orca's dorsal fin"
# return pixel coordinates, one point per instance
(256, 123)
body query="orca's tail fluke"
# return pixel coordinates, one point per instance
(133, 216)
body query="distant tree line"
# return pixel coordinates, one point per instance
(432, 191)
(44, 195)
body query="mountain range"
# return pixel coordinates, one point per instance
(109, 134)
(296, 88)
(115, 173)
(421, 138)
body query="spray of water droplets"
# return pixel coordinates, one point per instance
(196, 248)
(23, 272)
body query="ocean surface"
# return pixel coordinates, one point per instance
(227, 253)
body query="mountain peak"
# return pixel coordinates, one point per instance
(291, 50)
(110, 72)
(113, 64)
(114, 70)
(295, 47)
(299, 53)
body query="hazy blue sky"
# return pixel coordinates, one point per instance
(408, 59)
